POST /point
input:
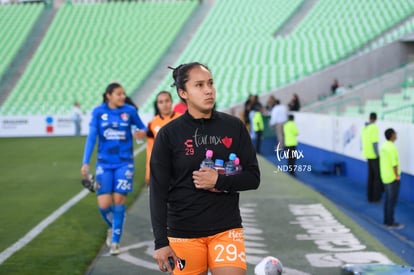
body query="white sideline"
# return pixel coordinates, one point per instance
(41, 226)
(22, 242)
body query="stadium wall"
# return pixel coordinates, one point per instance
(372, 89)
(46, 125)
(330, 142)
(38, 126)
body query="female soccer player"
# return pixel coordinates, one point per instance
(164, 113)
(199, 230)
(112, 123)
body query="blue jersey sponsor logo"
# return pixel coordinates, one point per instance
(111, 134)
(104, 116)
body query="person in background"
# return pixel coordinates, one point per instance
(258, 126)
(194, 210)
(294, 104)
(180, 107)
(370, 138)
(390, 175)
(270, 103)
(111, 124)
(290, 132)
(163, 114)
(77, 118)
(251, 103)
(253, 106)
(247, 109)
(278, 116)
(334, 86)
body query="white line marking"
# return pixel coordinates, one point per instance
(140, 149)
(22, 242)
(41, 226)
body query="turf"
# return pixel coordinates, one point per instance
(38, 176)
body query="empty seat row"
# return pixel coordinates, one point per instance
(238, 37)
(89, 46)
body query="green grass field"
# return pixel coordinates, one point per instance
(38, 175)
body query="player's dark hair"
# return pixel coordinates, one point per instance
(373, 116)
(180, 74)
(157, 110)
(129, 101)
(110, 89)
(388, 133)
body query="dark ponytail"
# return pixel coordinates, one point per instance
(180, 74)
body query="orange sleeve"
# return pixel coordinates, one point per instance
(156, 122)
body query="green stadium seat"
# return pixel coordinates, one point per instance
(85, 48)
(16, 22)
(88, 46)
(374, 105)
(242, 39)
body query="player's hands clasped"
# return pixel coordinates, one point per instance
(205, 178)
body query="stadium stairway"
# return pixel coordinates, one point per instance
(185, 35)
(25, 53)
(350, 197)
(291, 23)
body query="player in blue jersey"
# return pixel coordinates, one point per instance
(111, 124)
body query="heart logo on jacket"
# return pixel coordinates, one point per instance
(227, 141)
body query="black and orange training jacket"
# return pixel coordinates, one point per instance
(177, 208)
